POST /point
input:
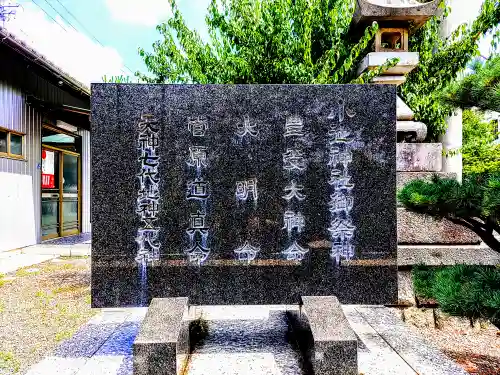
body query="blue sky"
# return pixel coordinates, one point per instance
(120, 25)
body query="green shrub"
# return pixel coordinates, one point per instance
(461, 290)
(423, 280)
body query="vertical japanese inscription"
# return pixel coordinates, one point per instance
(341, 200)
(197, 190)
(294, 163)
(246, 190)
(148, 196)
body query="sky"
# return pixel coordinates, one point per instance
(92, 38)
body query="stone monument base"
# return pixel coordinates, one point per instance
(322, 333)
(325, 338)
(162, 345)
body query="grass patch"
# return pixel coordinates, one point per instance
(69, 289)
(22, 272)
(88, 299)
(461, 290)
(63, 335)
(2, 280)
(55, 267)
(423, 280)
(9, 362)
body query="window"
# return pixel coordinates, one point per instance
(11, 144)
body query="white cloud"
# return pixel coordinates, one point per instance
(144, 12)
(74, 52)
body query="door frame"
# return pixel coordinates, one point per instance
(73, 232)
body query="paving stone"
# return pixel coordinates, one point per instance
(375, 356)
(127, 366)
(87, 341)
(58, 366)
(120, 342)
(233, 363)
(136, 314)
(108, 365)
(424, 358)
(111, 316)
(239, 341)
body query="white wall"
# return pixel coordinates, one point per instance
(462, 11)
(17, 213)
(465, 11)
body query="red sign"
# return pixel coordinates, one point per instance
(48, 181)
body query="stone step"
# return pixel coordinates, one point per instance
(419, 157)
(415, 229)
(432, 255)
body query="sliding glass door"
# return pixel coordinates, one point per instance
(60, 193)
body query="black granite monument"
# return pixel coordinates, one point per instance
(251, 194)
(244, 194)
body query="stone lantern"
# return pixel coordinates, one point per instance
(420, 238)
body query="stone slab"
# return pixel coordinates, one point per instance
(160, 348)
(419, 157)
(417, 130)
(327, 341)
(245, 147)
(87, 341)
(101, 364)
(64, 366)
(423, 357)
(403, 112)
(375, 356)
(447, 255)
(406, 294)
(415, 229)
(407, 62)
(232, 344)
(402, 178)
(389, 80)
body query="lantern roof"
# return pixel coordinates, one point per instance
(402, 13)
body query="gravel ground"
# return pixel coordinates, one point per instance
(40, 306)
(476, 349)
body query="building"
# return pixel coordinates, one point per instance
(44, 148)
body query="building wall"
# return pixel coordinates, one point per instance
(462, 11)
(86, 178)
(16, 115)
(21, 81)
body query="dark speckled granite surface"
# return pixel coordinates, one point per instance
(365, 115)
